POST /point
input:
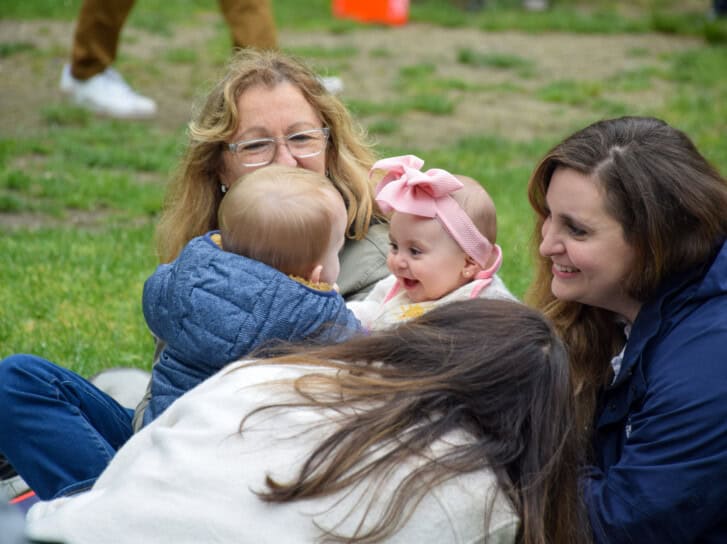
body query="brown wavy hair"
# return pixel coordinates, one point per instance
(495, 369)
(670, 203)
(194, 193)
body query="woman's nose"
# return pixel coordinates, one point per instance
(283, 155)
(549, 245)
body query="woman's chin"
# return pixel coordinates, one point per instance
(562, 292)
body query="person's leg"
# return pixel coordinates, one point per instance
(57, 429)
(251, 23)
(97, 36)
(89, 79)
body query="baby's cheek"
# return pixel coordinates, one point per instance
(390, 262)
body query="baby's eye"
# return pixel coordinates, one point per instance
(393, 247)
(414, 251)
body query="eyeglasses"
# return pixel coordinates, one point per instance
(261, 151)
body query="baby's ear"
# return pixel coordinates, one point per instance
(315, 275)
(470, 268)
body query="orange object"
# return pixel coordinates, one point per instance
(390, 12)
(21, 498)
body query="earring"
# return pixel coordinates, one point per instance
(223, 188)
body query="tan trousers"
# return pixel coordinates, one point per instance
(99, 25)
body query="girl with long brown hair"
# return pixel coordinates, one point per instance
(455, 427)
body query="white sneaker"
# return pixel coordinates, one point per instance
(12, 487)
(333, 84)
(535, 5)
(107, 93)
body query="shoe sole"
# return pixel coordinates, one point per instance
(106, 113)
(12, 488)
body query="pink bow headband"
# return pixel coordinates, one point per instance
(406, 189)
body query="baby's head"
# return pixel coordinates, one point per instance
(443, 228)
(291, 219)
(479, 207)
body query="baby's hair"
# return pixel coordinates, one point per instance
(281, 216)
(478, 205)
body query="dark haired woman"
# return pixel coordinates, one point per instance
(631, 224)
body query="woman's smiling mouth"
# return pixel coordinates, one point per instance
(562, 270)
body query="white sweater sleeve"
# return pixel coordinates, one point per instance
(191, 476)
(368, 309)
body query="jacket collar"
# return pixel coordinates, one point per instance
(696, 283)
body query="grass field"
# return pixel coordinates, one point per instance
(484, 94)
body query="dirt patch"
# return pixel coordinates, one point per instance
(507, 103)
(88, 220)
(496, 100)
(486, 99)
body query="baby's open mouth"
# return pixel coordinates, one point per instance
(409, 283)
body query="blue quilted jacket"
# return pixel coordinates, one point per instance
(661, 427)
(212, 307)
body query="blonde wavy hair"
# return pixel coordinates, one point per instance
(194, 194)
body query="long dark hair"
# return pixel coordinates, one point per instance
(672, 206)
(495, 369)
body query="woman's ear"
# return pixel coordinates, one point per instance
(315, 275)
(470, 268)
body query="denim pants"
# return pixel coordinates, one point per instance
(57, 429)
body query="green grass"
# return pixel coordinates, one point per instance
(7, 49)
(317, 52)
(571, 92)
(592, 17)
(75, 295)
(86, 192)
(501, 61)
(383, 126)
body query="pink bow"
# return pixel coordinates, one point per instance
(407, 189)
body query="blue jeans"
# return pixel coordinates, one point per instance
(57, 429)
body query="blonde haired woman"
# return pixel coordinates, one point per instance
(57, 429)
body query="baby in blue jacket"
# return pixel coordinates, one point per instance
(267, 276)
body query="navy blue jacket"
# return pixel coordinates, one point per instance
(661, 429)
(212, 307)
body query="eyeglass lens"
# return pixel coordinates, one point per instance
(301, 145)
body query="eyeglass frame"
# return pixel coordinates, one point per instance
(233, 147)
